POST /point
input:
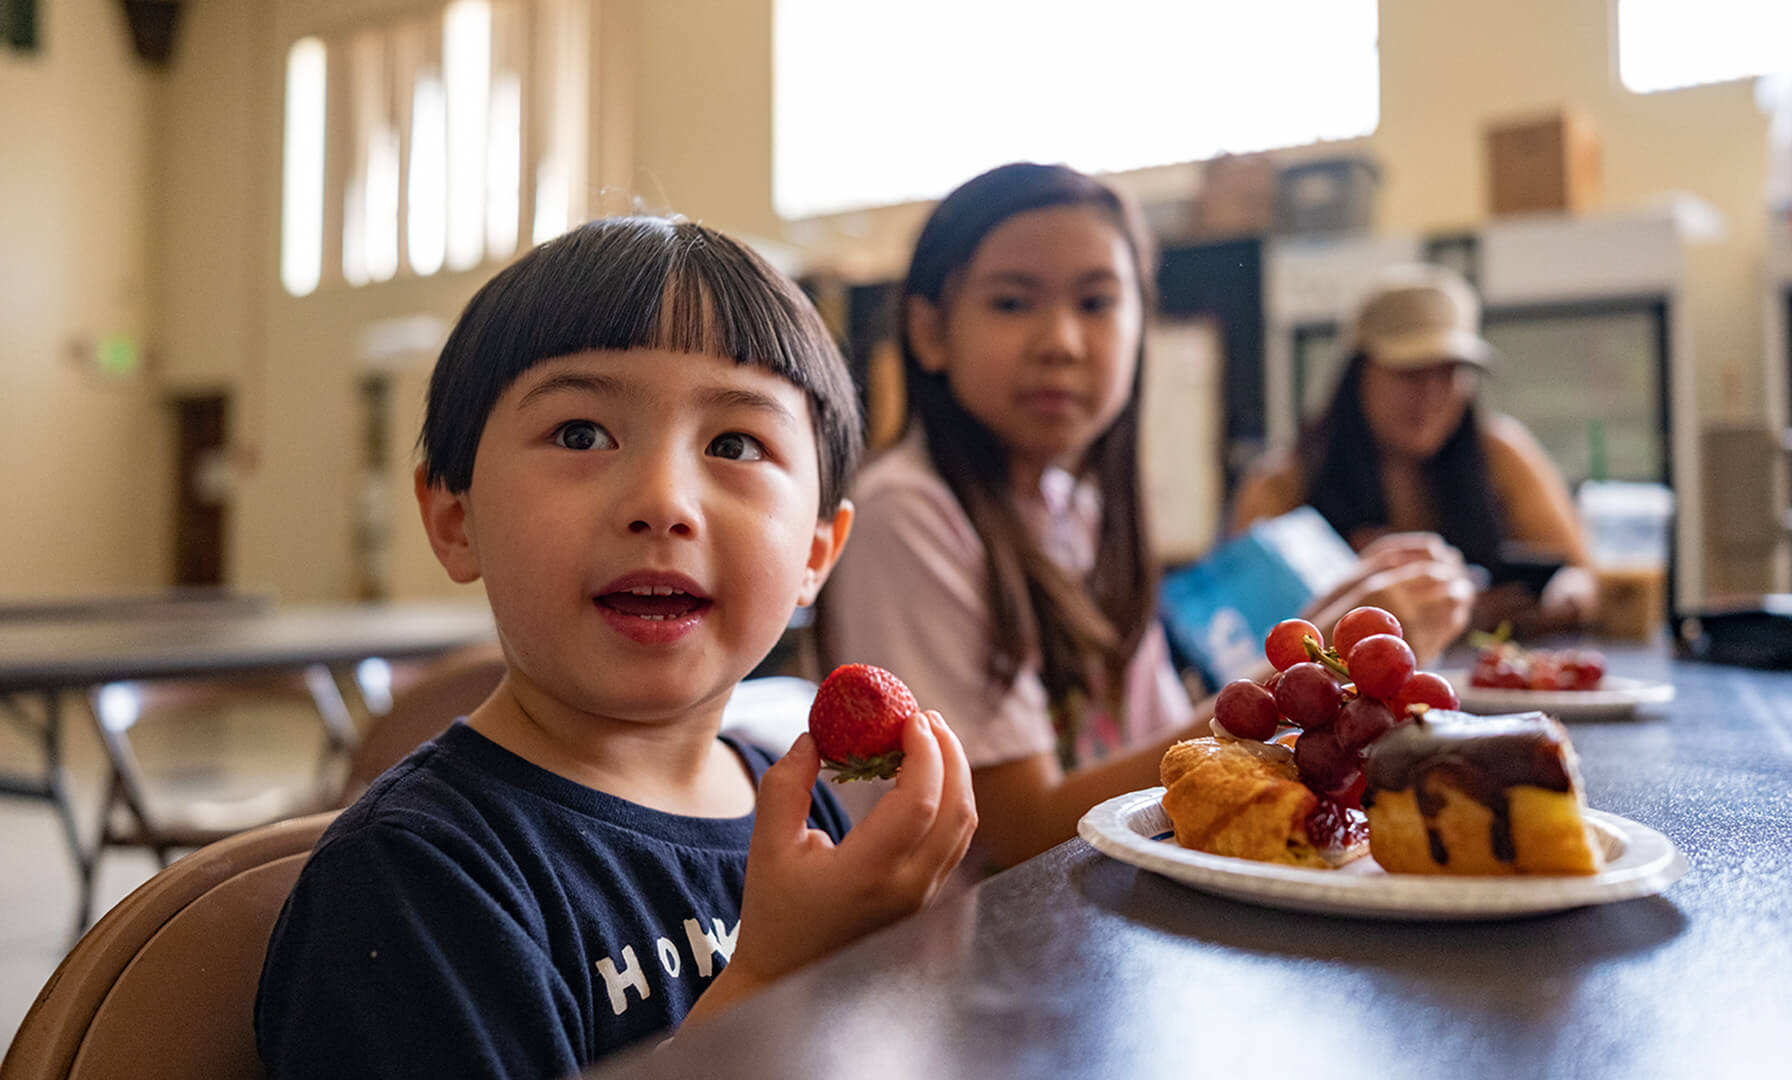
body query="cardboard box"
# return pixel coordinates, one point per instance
(1544, 163)
(1326, 196)
(1237, 197)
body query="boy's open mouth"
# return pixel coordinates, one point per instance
(653, 602)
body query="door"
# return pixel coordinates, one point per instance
(200, 496)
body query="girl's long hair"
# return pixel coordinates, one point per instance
(1342, 469)
(1083, 629)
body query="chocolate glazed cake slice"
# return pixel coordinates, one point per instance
(1456, 794)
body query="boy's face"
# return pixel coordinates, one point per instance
(645, 522)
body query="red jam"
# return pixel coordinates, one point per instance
(1334, 825)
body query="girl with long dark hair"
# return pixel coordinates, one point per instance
(1000, 560)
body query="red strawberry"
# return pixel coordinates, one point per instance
(857, 720)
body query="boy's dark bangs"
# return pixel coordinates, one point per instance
(653, 285)
(640, 283)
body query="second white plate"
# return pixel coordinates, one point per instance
(1639, 862)
(1616, 697)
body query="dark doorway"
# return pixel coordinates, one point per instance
(200, 502)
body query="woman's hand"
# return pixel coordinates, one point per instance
(806, 896)
(1569, 600)
(1419, 578)
(1432, 600)
(1392, 550)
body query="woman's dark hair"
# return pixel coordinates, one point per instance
(1341, 464)
(637, 283)
(1078, 627)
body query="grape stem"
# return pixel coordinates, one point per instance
(1329, 658)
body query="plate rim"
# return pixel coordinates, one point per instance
(1649, 864)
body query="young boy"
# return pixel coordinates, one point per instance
(638, 437)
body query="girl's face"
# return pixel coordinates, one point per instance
(1039, 336)
(1412, 413)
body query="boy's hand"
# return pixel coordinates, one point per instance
(806, 897)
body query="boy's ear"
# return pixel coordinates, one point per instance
(926, 333)
(445, 520)
(824, 551)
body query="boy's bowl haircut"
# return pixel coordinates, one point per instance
(637, 283)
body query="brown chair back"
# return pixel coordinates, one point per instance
(450, 686)
(163, 987)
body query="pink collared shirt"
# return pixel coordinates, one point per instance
(909, 595)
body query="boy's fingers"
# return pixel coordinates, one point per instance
(956, 822)
(956, 786)
(903, 816)
(784, 793)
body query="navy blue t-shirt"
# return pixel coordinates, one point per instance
(475, 915)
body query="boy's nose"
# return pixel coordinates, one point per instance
(675, 528)
(662, 502)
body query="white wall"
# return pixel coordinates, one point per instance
(86, 458)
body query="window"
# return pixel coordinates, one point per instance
(424, 150)
(1665, 44)
(302, 209)
(884, 103)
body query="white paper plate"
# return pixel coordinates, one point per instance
(1639, 862)
(1616, 697)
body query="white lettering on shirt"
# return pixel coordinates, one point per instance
(705, 945)
(617, 984)
(669, 958)
(725, 938)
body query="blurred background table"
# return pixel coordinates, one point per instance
(1076, 965)
(50, 647)
(84, 649)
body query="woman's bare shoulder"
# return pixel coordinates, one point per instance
(1510, 446)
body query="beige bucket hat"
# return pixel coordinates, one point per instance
(1419, 315)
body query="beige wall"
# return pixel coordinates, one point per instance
(701, 145)
(86, 458)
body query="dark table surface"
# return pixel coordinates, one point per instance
(87, 649)
(1076, 965)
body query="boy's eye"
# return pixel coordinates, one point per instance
(1008, 303)
(583, 435)
(1097, 304)
(735, 446)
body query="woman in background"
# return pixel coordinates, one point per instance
(1404, 446)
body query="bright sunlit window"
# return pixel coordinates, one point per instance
(434, 116)
(302, 200)
(883, 103)
(426, 226)
(467, 70)
(1665, 44)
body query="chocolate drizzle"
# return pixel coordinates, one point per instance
(1481, 756)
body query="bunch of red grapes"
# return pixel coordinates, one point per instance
(1504, 665)
(1342, 697)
